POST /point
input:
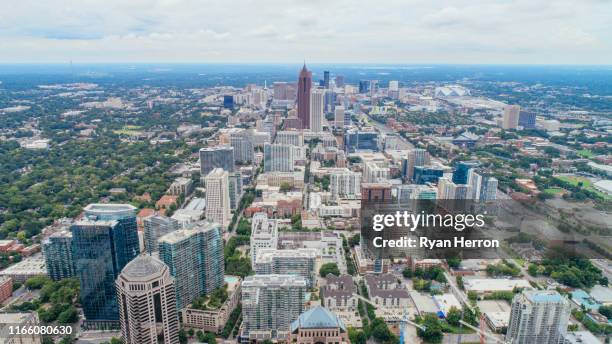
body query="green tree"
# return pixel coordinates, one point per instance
(329, 268)
(454, 316)
(433, 329)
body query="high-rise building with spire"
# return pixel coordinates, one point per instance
(303, 97)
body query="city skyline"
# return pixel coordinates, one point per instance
(475, 32)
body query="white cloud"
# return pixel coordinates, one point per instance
(392, 31)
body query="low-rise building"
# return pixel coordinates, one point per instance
(338, 293)
(387, 290)
(318, 325)
(6, 288)
(213, 320)
(29, 267)
(486, 286)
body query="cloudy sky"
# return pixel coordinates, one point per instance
(334, 31)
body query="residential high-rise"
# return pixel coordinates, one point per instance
(345, 184)
(218, 208)
(278, 157)
(264, 234)
(103, 243)
(483, 186)
(57, 250)
(393, 85)
(339, 117)
(416, 157)
(460, 174)
(290, 137)
(216, 157)
(235, 189)
(300, 262)
(538, 316)
(269, 304)
(317, 105)
(195, 258)
(510, 118)
(303, 97)
(147, 302)
(339, 79)
(373, 173)
(155, 227)
(243, 147)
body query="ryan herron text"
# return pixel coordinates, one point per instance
(425, 242)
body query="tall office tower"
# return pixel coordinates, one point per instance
(243, 147)
(280, 90)
(538, 316)
(235, 189)
(482, 185)
(218, 208)
(303, 97)
(317, 104)
(364, 86)
(460, 175)
(195, 258)
(147, 302)
(416, 157)
(427, 174)
(339, 80)
(393, 85)
(527, 119)
(57, 250)
(345, 184)
(228, 101)
(326, 79)
(264, 234)
(511, 117)
(269, 304)
(299, 262)
(356, 140)
(103, 243)
(279, 157)
(373, 87)
(155, 227)
(214, 157)
(339, 117)
(290, 137)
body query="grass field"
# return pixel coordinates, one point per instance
(129, 130)
(586, 184)
(585, 153)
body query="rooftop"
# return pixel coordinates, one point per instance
(317, 318)
(143, 266)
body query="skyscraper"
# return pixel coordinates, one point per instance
(57, 250)
(103, 243)
(527, 119)
(218, 207)
(269, 304)
(154, 228)
(483, 186)
(147, 302)
(303, 97)
(290, 137)
(538, 316)
(326, 79)
(243, 147)
(510, 119)
(195, 258)
(416, 157)
(339, 117)
(317, 104)
(279, 157)
(460, 174)
(213, 157)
